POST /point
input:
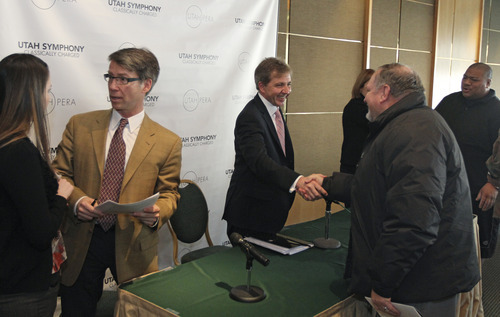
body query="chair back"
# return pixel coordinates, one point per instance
(190, 220)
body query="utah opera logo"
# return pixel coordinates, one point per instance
(244, 61)
(191, 175)
(191, 100)
(193, 16)
(52, 103)
(126, 45)
(43, 4)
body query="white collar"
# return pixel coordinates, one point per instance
(134, 121)
(269, 106)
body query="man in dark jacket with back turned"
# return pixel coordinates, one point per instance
(412, 228)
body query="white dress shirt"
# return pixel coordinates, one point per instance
(130, 133)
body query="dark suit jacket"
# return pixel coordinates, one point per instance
(154, 166)
(258, 197)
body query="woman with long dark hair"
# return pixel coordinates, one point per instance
(32, 199)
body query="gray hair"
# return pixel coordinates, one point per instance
(400, 78)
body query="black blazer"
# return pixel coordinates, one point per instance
(258, 197)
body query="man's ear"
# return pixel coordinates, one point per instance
(261, 86)
(148, 84)
(386, 92)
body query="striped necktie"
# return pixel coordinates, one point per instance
(280, 129)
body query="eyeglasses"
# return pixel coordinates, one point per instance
(119, 80)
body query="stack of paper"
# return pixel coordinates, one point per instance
(405, 310)
(111, 207)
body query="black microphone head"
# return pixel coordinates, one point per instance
(236, 238)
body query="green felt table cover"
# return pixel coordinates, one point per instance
(302, 284)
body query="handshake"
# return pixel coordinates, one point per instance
(310, 187)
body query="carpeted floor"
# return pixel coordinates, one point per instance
(491, 284)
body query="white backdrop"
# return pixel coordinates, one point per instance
(207, 51)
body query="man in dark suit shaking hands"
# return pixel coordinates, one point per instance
(263, 185)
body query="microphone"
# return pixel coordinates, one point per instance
(237, 239)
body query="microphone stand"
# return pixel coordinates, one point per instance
(247, 293)
(327, 242)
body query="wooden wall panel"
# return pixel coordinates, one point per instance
(421, 63)
(490, 44)
(385, 23)
(281, 50)
(442, 73)
(283, 16)
(458, 38)
(417, 27)
(323, 73)
(494, 13)
(467, 30)
(322, 41)
(444, 32)
(317, 139)
(327, 18)
(494, 47)
(381, 56)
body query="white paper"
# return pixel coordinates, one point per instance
(405, 310)
(277, 248)
(111, 207)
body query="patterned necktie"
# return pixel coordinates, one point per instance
(280, 128)
(113, 174)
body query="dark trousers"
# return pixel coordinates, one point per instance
(444, 307)
(488, 230)
(81, 298)
(40, 304)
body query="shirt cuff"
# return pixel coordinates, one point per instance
(75, 207)
(292, 189)
(156, 223)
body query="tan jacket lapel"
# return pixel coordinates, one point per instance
(99, 134)
(143, 145)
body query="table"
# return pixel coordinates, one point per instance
(303, 284)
